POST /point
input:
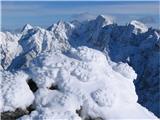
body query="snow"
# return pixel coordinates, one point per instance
(88, 66)
(9, 48)
(53, 105)
(26, 28)
(139, 26)
(15, 91)
(76, 74)
(125, 70)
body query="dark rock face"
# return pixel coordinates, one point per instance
(53, 87)
(30, 108)
(32, 85)
(80, 113)
(13, 115)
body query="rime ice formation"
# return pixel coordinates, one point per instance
(90, 69)
(76, 77)
(15, 91)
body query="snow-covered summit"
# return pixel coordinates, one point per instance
(139, 26)
(61, 29)
(26, 28)
(106, 20)
(9, 48)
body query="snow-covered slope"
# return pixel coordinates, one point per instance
(9, 48)
(82, 70)
(36, 40)
(141, 51)
(76, 74)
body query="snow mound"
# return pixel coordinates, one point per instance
(52, 104)
(103, 97)
(15, 91)
(76, 74)
(88, 55)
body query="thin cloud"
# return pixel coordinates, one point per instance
(17, 13)
(88, 16)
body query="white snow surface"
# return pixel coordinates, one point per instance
(85, 80)
(139, 26)
(26, 28)
(15, 91)
(71, 76)
(9, 48)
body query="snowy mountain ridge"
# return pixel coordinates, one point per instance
(67, 60)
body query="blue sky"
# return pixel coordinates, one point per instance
(16, 14)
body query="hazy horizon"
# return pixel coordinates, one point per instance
(16, 14)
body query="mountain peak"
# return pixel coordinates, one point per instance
(52, 27)
(139, 26)
(100, 17)
(26, 28)
(60, 22)
(106, 20)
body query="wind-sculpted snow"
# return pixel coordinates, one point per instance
(85, 80)
(15, 92)
(82, 70)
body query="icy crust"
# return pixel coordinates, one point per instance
(85, 80)
(15, 92)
